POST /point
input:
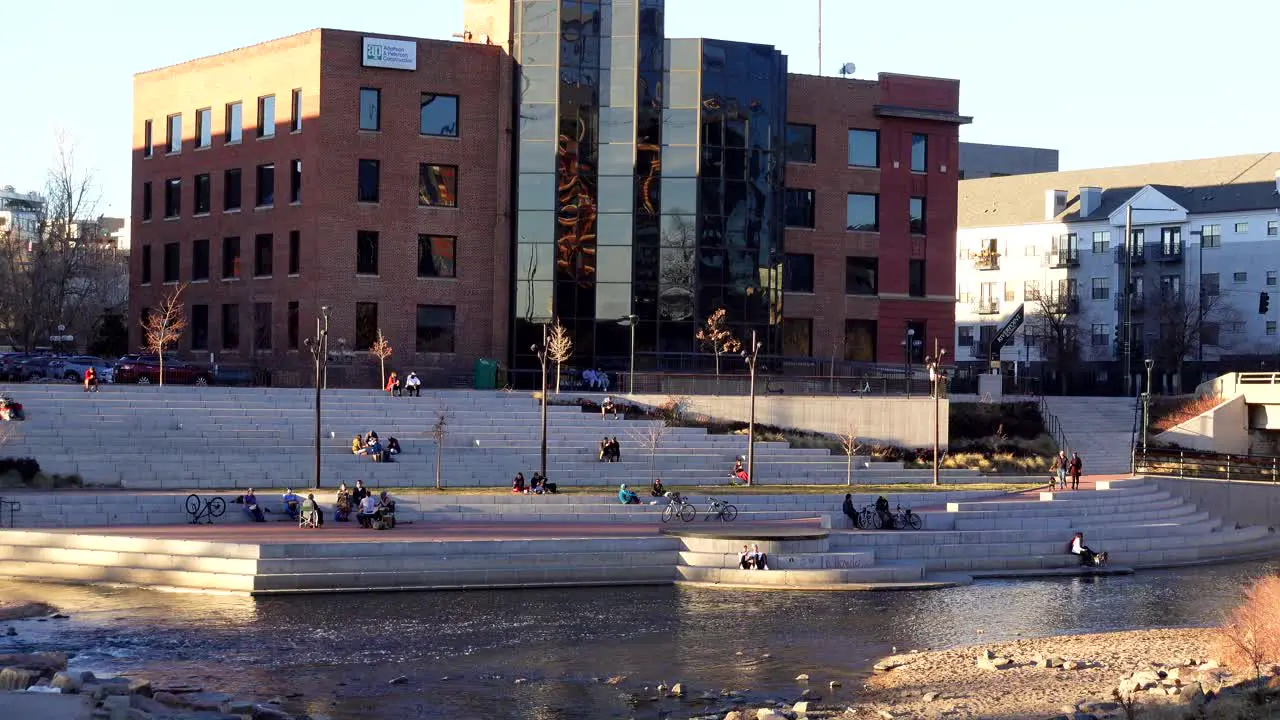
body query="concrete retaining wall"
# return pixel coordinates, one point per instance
(1246, 503)
(907, 422)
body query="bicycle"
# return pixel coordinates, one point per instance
(678, 507)
(869, 519)
(720, 510)
(905, 519)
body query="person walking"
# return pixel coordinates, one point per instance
(1075, 467)
(1060, 469)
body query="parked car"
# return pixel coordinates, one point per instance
(145, 370)
(9, 363)
(40, 366)
(73, 368)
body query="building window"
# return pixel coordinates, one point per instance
(799, 208)
(861, 275)
(435, 328)
(262, 252)
(148, 143)
(146, 265)
(1271, 327)
(171, 260)
(199, 327)
(1209, 284)
(915, 278)
(230, 258)
(438, 185)
(438, 115)
(146, 200)
(366, 325)
(862, 212)
(800, 143)
(172, 197)
(202, 189)
(1273, 228)
(860, 340)
(1101, 242)
(797, 273)
(919, 152)
(204, 128)
(295, 249)
(436, 256)
(1242, 227)
(366, 252)
(231, 192)
(864, 148)
(266, 190)
(230, 326)
(1240, 277)
(1101, 288)
(200, 260)
(235, 124)
(267, 116)
(367, 182)
(964, 335)
(173, 133)
(291, 323)
(370, 109)
(295, 111)
(262, 326)
(1209, 334)
(916, 210)
(1100, 335)
(295, 181)
(1211, 236)
(1271, 277)
(797, 337)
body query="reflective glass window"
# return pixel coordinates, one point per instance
(684, 54)
(537, 122)
(533, 300)
(799, 208)
(679, 231)
(367, 182)
(680, 127)
(613, 264)
(682, 90)
(539, 16)
(616, 194)
(617, 159)
(173, 133)
(617, 125)
(234, 128)
(537, 191)
(370, 108)
(535, 262)
(438, 185)
(267, 116)
(613, 229)
(538, 49)
(864, 148)
(619, 90)
(437, 256)
(919, 152)
(438, 115)
(613, 300)
(536, 226)
(862, 212)
(679, 162)
(539, 84)
(435, 329)
(679, 195)
(861, 275)
(204, 128)
(537, 156)
(800, 143)
(917, 221)
(798, 273)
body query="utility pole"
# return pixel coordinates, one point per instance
(541, 352)
(751, 358)
(934, 363)
(318, 346)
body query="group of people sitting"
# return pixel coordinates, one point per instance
(610, 450)
(371, 447)
(753, 559)
(596, 379)
(291, 504)
(410, 386)
(371, 511)
(537, 486)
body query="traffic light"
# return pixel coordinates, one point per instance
(1264, 303)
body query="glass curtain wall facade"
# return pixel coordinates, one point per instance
(649, 182)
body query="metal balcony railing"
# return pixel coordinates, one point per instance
(1137, 302)
(1170, 252)
(1063, 257)
(986, 261)
(986, 306)
(1138, 252)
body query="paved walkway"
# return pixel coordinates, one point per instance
(1087, 482)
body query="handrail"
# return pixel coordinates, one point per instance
(1210, 466)
(1052, 425)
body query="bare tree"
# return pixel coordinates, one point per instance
(1052, 322)
(849, 443)
(648, 436)
(559, 348)
(56, 267)
(163, 326)
(444, 418)
(381, 349)
(717, 337)
(1186, 326)
(678, 270)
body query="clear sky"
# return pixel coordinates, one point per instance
(1106, 82)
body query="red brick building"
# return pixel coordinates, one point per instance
(369, 175)
(872, 212)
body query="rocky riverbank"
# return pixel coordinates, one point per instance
(22, 609)
(1072, 678)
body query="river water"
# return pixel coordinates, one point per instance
(463, 652)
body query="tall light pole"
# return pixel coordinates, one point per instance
(630, 321)
(541, 352)
(934, 363)
(751, 357)
(1146, 407)
(318, 345)
(911, 333)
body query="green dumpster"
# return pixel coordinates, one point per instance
(486, 372)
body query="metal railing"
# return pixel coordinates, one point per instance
(986, 306)
(10, 507)
(1064, 257)
(1137, 302)
(1169, 252)
(986, 261)
(1138, 253)
(1052, 425)
(1212, 466)
(731, 384)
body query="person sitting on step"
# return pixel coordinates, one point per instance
(744, 559)
(604, 449)
(291, 502)
(251, 507)
(310, 511)
(393, 385)
(359, 493)
(393, 447)
(608, 408)
(759, 561)
(384, 512)
(368, 510)
(357, 444)
(657, 490)
(739, 475)
(627, 497)
(517, 483)
(90, 379)
(882, 510)
(848, 509)
(343, 505)
(412, 385)
(540, 480)
(1087, 556)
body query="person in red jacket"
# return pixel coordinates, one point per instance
(90, 379)
(393, 384)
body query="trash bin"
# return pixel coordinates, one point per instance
(486, 374)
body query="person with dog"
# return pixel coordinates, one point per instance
(1087, 556)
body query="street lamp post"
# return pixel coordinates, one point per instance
(911, 333)
(318, 345)
(541, 352)
(934, 364)
(630, 321)
(751, 358)
(1146, 407)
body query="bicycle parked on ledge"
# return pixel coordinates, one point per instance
(678, 507)
(899, 519)
(720, 510)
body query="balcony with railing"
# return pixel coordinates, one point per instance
(1137, 301)
(1063, 258)
(1138, 252)
(1169, 251)
(986, 260)
(986, 306)
(1064, 303)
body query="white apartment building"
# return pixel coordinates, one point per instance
(20, 212)
(1205, 247)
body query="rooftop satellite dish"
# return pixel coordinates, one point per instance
(847, 69)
